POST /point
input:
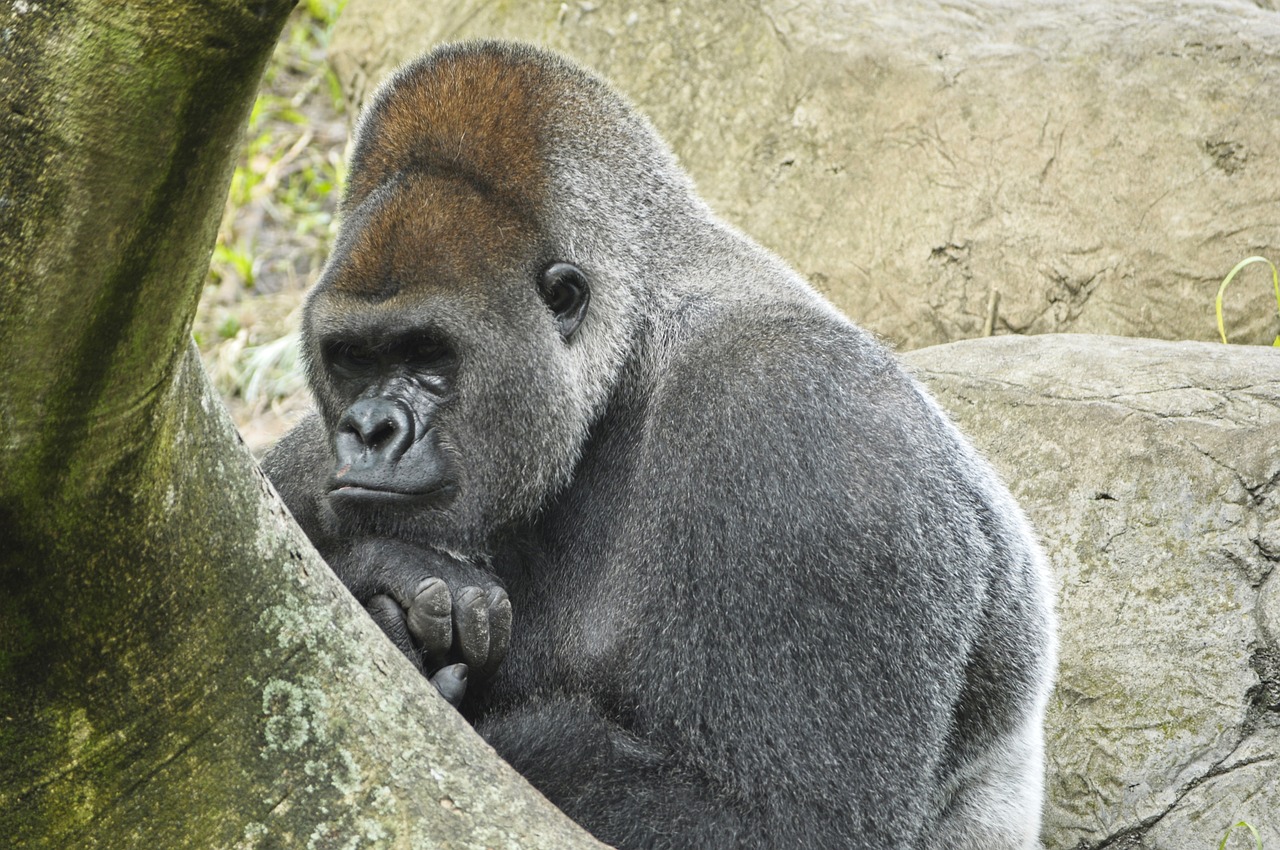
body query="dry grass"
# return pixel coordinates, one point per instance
(276, 231)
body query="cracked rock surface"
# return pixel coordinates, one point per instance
(1102, 163)
(1151, 471)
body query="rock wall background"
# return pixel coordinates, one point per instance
(1101, 165)
(1151, 471)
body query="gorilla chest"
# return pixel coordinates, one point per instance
(585, 607)
(574, 627)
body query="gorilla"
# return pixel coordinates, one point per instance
(686, 546)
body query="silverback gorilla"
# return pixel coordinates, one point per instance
(688, 548)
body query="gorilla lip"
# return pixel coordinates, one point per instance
(360, 492)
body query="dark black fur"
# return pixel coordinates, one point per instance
(764, 594)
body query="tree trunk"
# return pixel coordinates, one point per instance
(177, 666)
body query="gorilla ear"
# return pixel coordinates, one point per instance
(564, 288)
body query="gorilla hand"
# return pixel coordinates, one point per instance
(449, 635)
(450, 617)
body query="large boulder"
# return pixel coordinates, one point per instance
(1101, 164)
(1152, 472)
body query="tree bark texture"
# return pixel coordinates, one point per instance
(177, 666)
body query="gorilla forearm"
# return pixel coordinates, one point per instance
(639, 795)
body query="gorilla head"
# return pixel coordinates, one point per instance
(475, 314)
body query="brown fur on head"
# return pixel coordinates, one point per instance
(520, 125)
(455, 142)
(463, 113)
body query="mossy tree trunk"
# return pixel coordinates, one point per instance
(177, 667)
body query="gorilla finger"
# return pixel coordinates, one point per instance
(389, 616)
(499, 629)
(451, 682)
(471, 626)
(430, 617)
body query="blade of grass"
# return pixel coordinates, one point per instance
(1275, 282)
(1257, 839)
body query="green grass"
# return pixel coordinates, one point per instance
(276, 229)
(1257, 839)
(1275, 283)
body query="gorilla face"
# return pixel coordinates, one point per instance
(385, 445)
(435, 304)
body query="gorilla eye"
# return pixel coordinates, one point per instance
(424, 353)
(350, 357)
(565, 291)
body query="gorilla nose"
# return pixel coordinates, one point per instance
(372, 432)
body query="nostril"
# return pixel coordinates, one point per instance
(369, 434)
(379, 433)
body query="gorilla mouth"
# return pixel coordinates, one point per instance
(365, 494)
(356, 491)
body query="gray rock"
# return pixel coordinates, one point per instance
(1101, 164)
(1151, 471)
